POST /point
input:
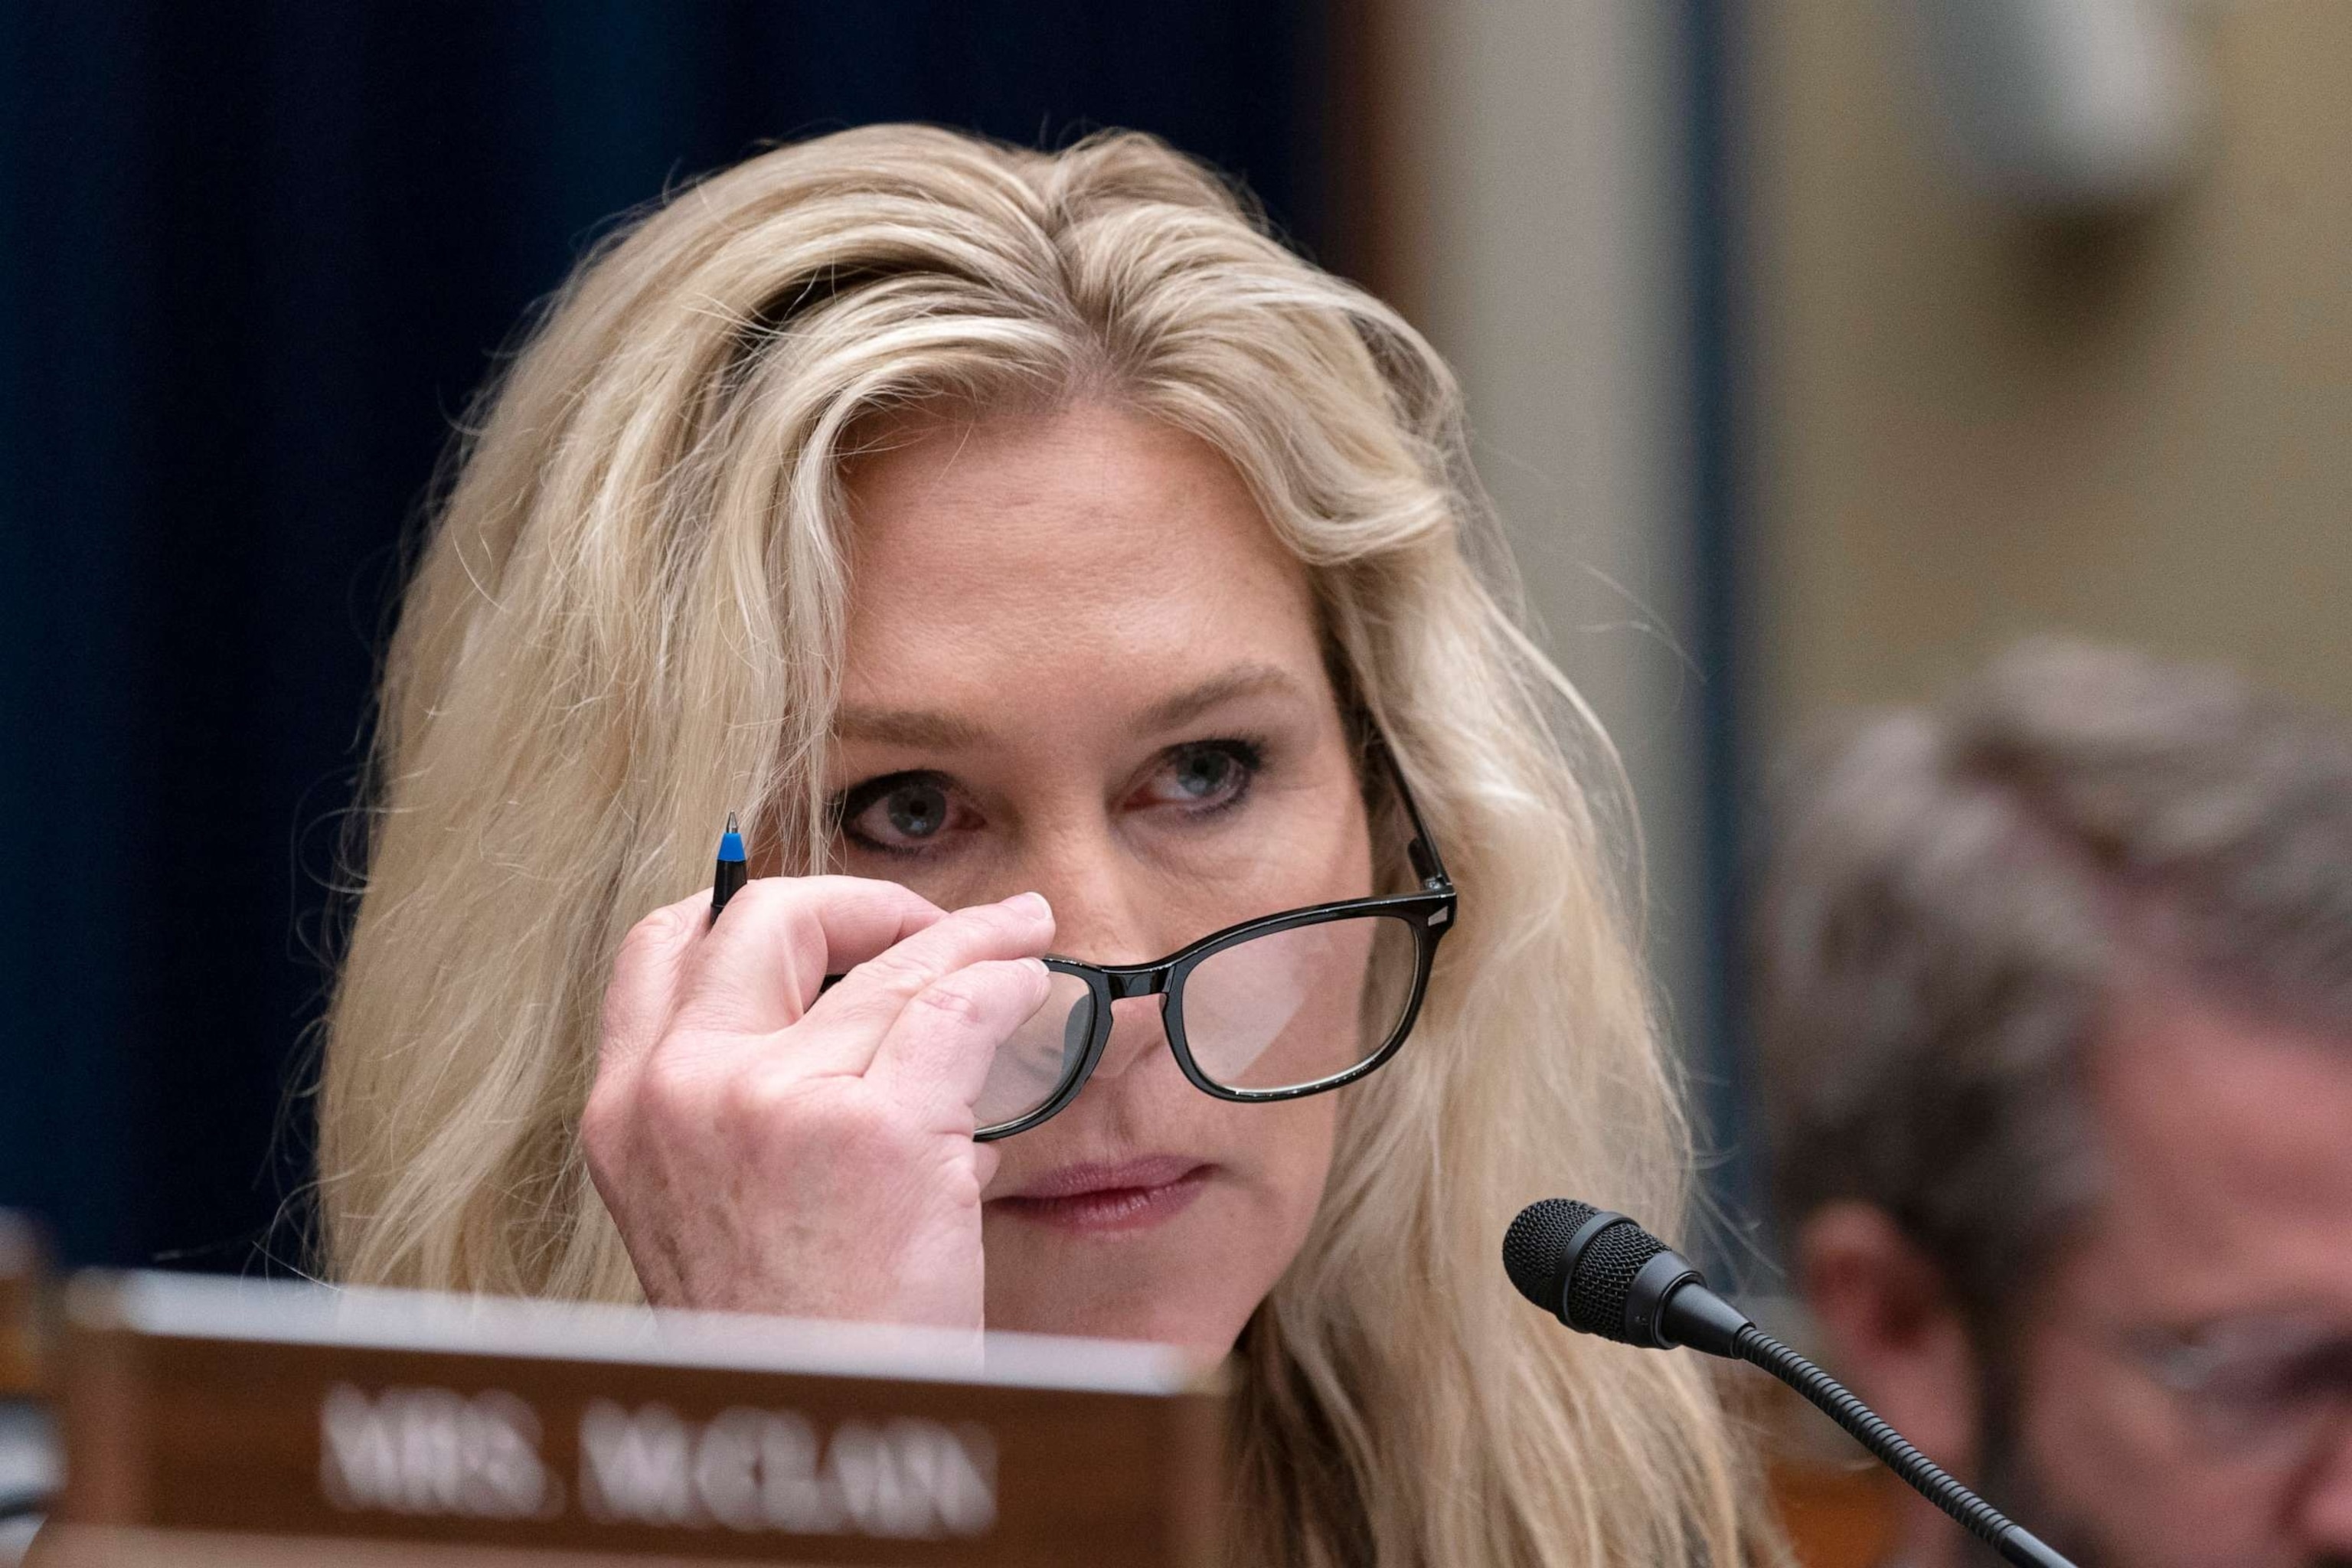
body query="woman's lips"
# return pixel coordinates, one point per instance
(1131, 1194)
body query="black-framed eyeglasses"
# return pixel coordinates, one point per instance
(1278, 1007)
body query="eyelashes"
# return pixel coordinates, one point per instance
(918, 813)
(915, 807)
(1208, 777)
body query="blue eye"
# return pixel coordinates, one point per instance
(1203, 777)
(917, 810)
(903, 813)
(1203, 774)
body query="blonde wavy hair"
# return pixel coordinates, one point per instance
(628, 618)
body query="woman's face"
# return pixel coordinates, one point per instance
(1080, 664)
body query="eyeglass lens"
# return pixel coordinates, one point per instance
(1293, 1007)
(1040, 1054)
(1296, 1007)
(2263, 1385)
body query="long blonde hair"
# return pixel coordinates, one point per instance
(628, 618)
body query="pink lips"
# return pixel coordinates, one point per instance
(1131, 1194)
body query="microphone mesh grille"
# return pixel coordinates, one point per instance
(1605, 1277)
(1532, 1248)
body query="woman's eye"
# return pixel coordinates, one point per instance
(905, 813)
(918, 811)
(1205, 773)
(1203, 776)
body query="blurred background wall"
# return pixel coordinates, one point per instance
(1970, 418)
(1550, 178)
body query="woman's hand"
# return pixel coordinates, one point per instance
(765, 1149)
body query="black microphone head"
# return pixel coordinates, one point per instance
(1604, 1280)
(1535, 1249)
(1536, 1256)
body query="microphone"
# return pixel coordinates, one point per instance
(1600, 1273)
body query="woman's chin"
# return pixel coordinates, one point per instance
(1087, 1306)
(1188, 1333)
(1191, 1278)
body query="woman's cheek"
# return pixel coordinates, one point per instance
(1289, 1169)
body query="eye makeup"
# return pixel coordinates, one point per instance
(918, 813)
(916, 804)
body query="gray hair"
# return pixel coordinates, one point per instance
(1957, 891)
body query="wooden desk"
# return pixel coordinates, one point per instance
(213, 1421)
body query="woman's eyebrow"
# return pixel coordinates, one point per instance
(1242, 680)
(936, 730)
(913, 727)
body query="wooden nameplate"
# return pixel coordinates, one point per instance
(211, 1421)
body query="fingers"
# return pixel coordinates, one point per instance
(935, 1055)
(879, 989)
(759, 967)
(644, 987)
(934, 993)
(853, 1018)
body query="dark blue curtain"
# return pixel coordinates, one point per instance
(253, 261)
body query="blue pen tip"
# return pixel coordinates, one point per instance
(731, 843)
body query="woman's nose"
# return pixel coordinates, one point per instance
(1138, 1033)
(1099, 911)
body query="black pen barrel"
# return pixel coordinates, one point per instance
(726, 882)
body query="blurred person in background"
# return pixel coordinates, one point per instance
(2057, 1025)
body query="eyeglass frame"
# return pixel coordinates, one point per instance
(1428, 913)
(2187, 1368)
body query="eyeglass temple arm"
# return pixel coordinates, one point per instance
(1423, 850)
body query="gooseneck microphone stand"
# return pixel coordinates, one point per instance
(1601, 1274)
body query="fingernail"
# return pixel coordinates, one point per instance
(1029, 904)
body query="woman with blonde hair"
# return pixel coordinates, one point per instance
(1089, 607)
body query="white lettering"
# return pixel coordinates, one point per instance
(636, 1467)
(767, 1471)
(431, 1451)
(793, 1495)
(915, 1479)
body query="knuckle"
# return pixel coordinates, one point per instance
(895, 894)
(791, 908)
(653, 935)
(600, 1121)
(777, 1108)
(616, 1024)
(805, 949)
(1007, 932)
(760, 890)
(611, 1121)
(759, 1097)
(960, 998)
(775, 900)
(664, 1098)
(898, 968)
(636, 998)
(995, 921)
(757, 899)
(748, 1097)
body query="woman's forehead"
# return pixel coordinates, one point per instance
(1090, 547)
